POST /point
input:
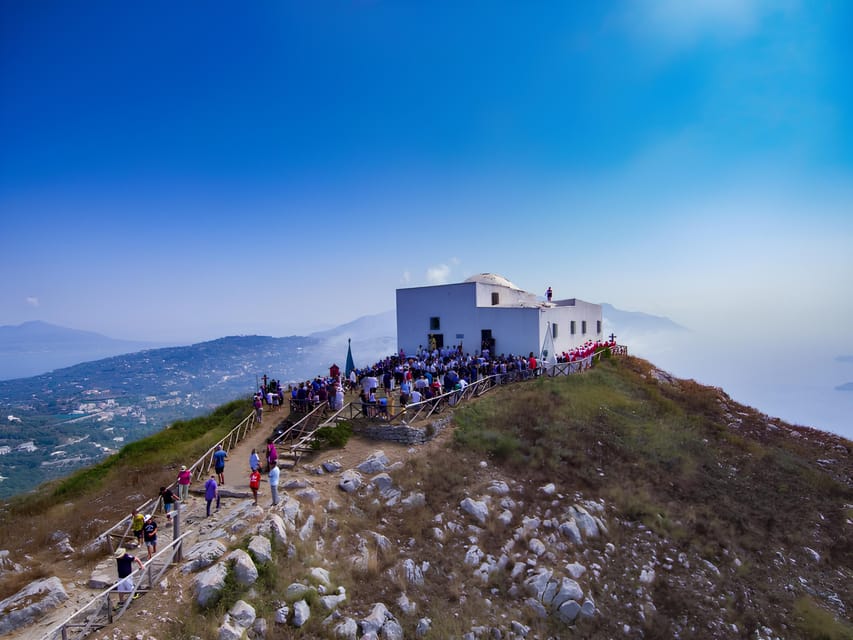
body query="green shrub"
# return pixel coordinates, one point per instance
(332, 437)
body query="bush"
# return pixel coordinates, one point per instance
(332, 437)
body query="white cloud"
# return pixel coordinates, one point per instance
(32, 301)
(438, 274)
(682, 22)
(406, 277)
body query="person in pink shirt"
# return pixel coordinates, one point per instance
(185, 477)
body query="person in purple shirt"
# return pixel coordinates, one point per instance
(211, 491)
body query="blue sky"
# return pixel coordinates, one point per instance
(182, 171)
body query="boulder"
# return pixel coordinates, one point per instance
(281, 614)
(376, 619)
(331, 466)
(208, 585)
(230, 630)
(301, 613)
(423, 627)
(414, 500)
(31, 603)
(243, 613)
(307, 529)
(475, 508)
(346, 629)
(202, 554)
(414, 574)
(320, 576)
(391, 630)
(290, 511)
(309, 496)
(7, 564)
(245, 571)
(568, 611)
(260, 549)
(498, 488)
(350, 481)
(277, 529)
(375, 463)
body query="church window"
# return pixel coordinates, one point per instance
(572, 328)
(554, 330)
(434, 323)
(583, 327)
(598, 326)
(496, 298)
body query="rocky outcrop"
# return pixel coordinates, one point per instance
(31, 603)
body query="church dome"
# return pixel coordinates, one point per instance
(493, 279)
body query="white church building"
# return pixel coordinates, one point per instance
(488, 311)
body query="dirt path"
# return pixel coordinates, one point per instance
(157, 609)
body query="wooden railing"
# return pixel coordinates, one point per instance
(99, 611)
(115, 536)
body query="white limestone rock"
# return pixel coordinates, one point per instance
(346, 629)
(408, 607)
(505, 517)
(290, 511)
(307, 529)
(585, 522)
(498, 488)
(31, 603)
(423, 627)
(202, 554)
(376, 619)
(277, 529)
(549, 489)
(230, 630)
(260, 549)
(536, 546)
(391, 630)
(332, 466)
(282, 614)
(570, 530)
(350, 481)
(568, 611)
(375, 463)
(245, 571)
(208, 585)
(7, 564)
(414, 500)
(477, 509)
(320, 576)
(575, 570)
(301, 613)
(414, 575)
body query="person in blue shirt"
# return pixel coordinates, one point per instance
(219, 458)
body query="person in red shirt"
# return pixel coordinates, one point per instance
(255, 483)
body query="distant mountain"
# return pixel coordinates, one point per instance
(36, 347)
(617, 320)
(70, 417)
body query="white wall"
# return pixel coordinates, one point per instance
(518, 324)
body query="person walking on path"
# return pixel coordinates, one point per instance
(255, 482)
(150, 534)
(272, 454)
(219, 458)
(185, 477)
(124, 566)
(137, 523)
(273, 478)
(211, 491)
(254, 460)
(169, 500)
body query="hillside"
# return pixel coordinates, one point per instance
(661, 507)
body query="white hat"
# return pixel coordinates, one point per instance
(120, 552)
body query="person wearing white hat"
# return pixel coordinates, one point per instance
(124, 566)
